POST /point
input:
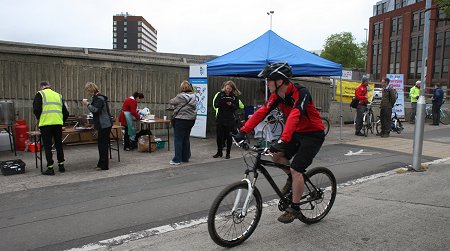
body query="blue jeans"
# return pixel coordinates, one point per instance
(182, 131)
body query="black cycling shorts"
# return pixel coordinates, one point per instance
(304, 147)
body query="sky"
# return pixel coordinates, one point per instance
(199, 27)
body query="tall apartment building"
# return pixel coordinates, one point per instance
(396, 39)
(133, 33)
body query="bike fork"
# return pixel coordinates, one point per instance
(247, 198)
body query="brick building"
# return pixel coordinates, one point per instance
(396, 39)
(133, 33)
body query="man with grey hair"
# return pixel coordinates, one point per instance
(414, 93)
(49, 109)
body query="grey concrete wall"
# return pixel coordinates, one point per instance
(118, 74)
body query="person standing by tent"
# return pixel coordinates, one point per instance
(50, 110)
(361, 94)
(414, 96)
(127, 118)
(225, 103)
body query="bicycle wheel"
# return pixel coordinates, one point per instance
(378, 125)
(322, 197)
(228, 227)
(371, 122)
(444, 117)
(365, 125)
(271, 132)
(326, 124)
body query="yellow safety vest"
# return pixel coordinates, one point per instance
(51, 108)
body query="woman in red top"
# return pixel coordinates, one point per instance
(127, 116)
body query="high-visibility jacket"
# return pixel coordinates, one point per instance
(52, 106)
(414, 93)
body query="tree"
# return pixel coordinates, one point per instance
(342, 49)
(445, 6)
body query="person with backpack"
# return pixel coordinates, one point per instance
(387, 103)
(437, 100)
(361, 94)
(303, 134)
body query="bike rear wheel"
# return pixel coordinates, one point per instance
(321, 198)
(378, 126)
(444, 119)
(228, 227)
(326, 124)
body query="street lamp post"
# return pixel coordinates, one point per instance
(367, 48)
(270, 13)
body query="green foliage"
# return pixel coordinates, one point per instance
(342, 48)
(445, 6)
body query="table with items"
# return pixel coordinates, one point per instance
(9, 128)
(147, 123)
(36, 137)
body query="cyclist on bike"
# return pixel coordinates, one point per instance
(303, 133)
(361, 93)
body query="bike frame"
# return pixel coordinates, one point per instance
(260, 165)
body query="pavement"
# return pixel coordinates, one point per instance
(397, 210)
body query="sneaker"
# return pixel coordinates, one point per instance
(174, 163)
(227, 156)
(61, 168)
(49, 171)
(287, 187)
(127, 149)
(289, 216)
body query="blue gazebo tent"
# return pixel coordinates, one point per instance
(250, 59)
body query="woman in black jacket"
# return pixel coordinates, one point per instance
(225, 103)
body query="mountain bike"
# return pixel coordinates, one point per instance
(368, 120)
(444, 119)
(237, 209)
(396, 124)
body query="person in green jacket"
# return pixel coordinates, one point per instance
(414, 93)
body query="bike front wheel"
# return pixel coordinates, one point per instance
(319, 195)
(378, 126)
(228, 224)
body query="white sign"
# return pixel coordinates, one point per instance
(198, 71)
(347, 75)
(200, 85)
(397, 82)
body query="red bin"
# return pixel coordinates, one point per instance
(20, 134)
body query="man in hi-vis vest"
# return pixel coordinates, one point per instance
(49, 109)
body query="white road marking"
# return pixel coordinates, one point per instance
(360, 152)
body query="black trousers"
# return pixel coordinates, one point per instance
(103, 147)
(223, 134)
(385, 117)
(50, 134)
(359, 117)
(436, 113)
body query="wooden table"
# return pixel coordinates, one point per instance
(146, 124)
(36, 137)
(10, 130)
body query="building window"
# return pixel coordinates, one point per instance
(125, 40)
(115, 40)
(115, 34)
(396, 26)
(114, 46)
(115, 28)
(124, 46)
(125, 23)
(415, 57)
(115, 22)
(124, 28)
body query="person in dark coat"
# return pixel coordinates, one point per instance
(225, 103)
(438, 97)
(102, 122)
(387, 103)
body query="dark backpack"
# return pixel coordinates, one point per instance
(354, 103)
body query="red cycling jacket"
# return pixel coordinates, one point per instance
(297, 106)
(361, 94)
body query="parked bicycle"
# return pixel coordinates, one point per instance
(396, 124)
(444, 119)
(275, 125)
(237, 209)
(368, 120)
